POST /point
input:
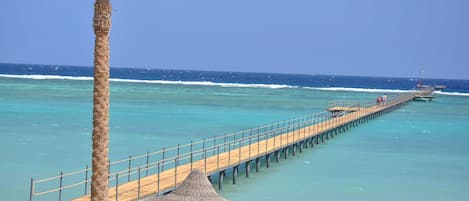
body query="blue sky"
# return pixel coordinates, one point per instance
(340, 37)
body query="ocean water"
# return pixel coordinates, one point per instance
(417, 152)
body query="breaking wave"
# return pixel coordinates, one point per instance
(46, 77)
(231, 85)
(451, 93)
(359, 89)
(199, 83)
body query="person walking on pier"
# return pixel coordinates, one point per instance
(384, 99)
(379, 100)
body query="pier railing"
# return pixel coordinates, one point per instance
(67, 185)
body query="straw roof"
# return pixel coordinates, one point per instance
(195, 187)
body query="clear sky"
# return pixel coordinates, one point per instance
(340, 37)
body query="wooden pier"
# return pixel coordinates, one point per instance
(283, 140)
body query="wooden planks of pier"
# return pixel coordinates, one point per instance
(167, 180)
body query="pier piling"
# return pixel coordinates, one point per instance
(235, 174)
(220, 180)
(248, 168)
(267, 160)
(258, 164)
(285, 151)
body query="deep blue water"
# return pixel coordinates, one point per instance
(238, 77)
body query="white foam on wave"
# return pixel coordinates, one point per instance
(206, 83)
(199, 83)
(46, 77)
(359, 89)
(233, 85)
(451, 93)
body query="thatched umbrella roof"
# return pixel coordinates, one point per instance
(195, 187)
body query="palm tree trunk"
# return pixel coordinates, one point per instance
(102, 25)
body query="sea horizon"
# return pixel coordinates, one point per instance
(118, 74)
(225, 71)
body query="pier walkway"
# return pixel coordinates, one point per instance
(160, 172)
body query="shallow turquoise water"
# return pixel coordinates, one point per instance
(418, 152)
(415, 153)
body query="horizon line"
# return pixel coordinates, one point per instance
(254, 72)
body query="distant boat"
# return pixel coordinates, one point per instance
(421, 86)
(439, 87)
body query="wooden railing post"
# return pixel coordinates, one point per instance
(218, 157)
(158, 184)
(162, 160)
(249, 147)
(31, 190)
(60, 185)
(146, 163)
(117, 186)
(128, 169)
(138, 187)
(175, 172)
(86, 180)
(205, 161)
(191, 155)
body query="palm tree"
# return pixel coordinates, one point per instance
(101, 25)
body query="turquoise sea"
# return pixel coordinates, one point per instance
(417, 152)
